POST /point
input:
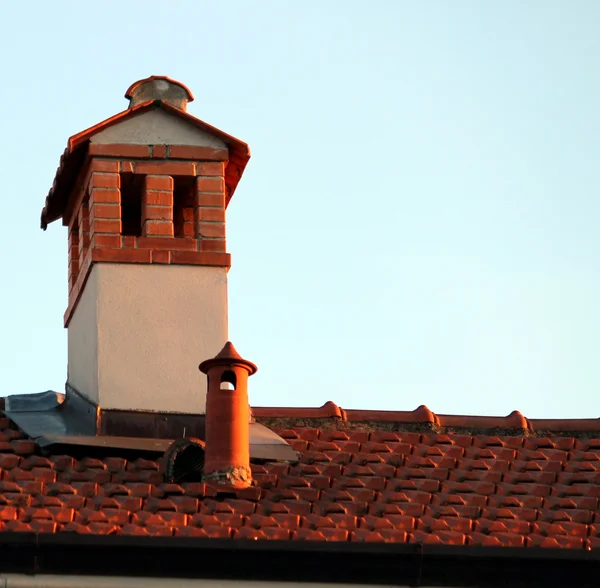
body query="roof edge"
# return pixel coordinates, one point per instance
(298, 561)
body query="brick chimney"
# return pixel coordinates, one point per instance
(144, 195)
(227, 438)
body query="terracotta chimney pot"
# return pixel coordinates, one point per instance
(228, 418)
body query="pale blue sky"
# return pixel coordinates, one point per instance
(418, 223)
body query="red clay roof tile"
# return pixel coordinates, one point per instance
(364, 484)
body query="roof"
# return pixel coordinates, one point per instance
(74, 155)
(365, 476)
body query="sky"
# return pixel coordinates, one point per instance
(418, 223)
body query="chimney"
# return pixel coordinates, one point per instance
(144, 195)
(227, 437)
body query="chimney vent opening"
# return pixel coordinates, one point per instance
(228, 380)
(183, 207)
(132, 190)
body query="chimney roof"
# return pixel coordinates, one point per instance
(159, 88)
(227, 356)
(77, 146)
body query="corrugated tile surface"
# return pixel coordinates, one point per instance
(348, 486)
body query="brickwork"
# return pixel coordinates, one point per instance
(189, 231)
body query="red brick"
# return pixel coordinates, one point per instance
(104, 180)
(129, 242)
(161, 257)
(105, 211)
(100, 240)
(187, 230)
(211, 214)
(159, 182)
(121, 255)
(104, 165)
(159, 151)
(210, 184)
(108, 196)
(105, 226)
(157, 213)
(209, 169)
(127, 167)
(211, 199)
(214, 245)
(119, 150)
(165, 168)
(167, 243)
(152, 197)
(201, 258)
(157, 227)
(212, 230)
(84, 243)
(187, 213)
(198, 152)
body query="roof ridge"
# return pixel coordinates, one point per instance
(422, 415)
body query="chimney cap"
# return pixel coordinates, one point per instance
(227, 356)
(159, 88)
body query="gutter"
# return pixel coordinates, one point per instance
(73, 557)
(48, 581)
(61, 581)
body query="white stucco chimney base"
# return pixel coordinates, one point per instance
(139, 332)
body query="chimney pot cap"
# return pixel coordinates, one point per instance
(227, 356)
(159, 88)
